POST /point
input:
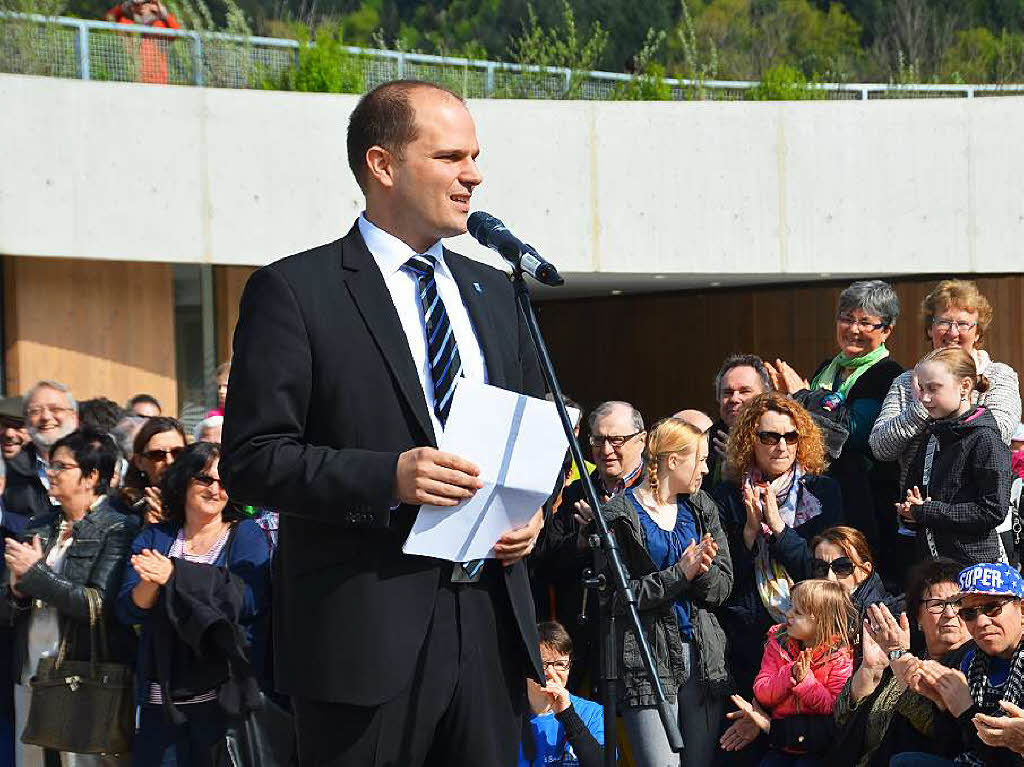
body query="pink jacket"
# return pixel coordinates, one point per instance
(817, 691)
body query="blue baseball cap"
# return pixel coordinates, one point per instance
(995, 578)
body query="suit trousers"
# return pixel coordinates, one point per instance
(463, 705)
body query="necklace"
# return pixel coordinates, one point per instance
(199, 544)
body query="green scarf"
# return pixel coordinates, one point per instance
(827, 377)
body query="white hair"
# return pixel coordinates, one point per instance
(47, 384)
(207, 423)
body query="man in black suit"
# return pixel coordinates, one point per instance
(345, 360)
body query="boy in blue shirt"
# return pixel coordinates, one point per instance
(564, 730)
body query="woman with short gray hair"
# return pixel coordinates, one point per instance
(847, 392)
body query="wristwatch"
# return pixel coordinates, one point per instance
(896, 654)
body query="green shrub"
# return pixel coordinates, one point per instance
(325, 67)
(785, 83)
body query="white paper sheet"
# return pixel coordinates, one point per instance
(519, 445)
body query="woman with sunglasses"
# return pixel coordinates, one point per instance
(202, 529)
(877, 714)
(64, 553)
(842, 554)
(157, 444)
(774, 501)
(850, 388)
(989, 682)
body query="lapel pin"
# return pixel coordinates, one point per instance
(477, 288)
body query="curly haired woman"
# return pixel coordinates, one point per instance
(774, 502)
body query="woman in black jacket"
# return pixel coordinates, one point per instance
(675, 549)
(855, 383)
(83, 546)
(958, 484)
(773, 503)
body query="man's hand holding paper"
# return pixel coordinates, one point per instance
(516, 444)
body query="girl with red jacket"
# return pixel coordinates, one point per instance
(807, 660)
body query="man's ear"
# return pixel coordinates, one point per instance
(380, 166)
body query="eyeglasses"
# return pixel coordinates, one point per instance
(772, 438)
(991, 609)
(208, 481)
(160, 454)
(947, 325)
(618, 440)
(558, 665)
(56, 467)
(851, 322)
(37, 410)
(843, 567)
(938, 606)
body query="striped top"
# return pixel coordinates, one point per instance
(207, 558)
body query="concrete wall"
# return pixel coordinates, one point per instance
(760, 190)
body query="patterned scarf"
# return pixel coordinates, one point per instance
(826, 379)
(987, 697)
(795, 508)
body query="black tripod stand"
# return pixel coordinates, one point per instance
(607, 560)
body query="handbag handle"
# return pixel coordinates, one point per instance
(96, 625)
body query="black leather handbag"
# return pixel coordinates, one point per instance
(82, 707)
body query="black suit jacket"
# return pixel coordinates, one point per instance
(324, 396)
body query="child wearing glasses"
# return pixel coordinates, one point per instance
(563, 729)
(807, 662)
(958, 484)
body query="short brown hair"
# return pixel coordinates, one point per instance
(849, 539)
(384, 117)
(958, 294)
(553, 634)
(810, 449)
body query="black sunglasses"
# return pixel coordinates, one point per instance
(207, 481)
(843, 567)
(159, 454)
(772, 438)
(991, 609)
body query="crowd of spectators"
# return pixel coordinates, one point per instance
(825, 569)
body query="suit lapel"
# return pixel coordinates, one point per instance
(475, 300)
(366, 285)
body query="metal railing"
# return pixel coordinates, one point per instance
(100, 50)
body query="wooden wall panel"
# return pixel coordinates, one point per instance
(228, 282)
(661, 351)
(101, 327)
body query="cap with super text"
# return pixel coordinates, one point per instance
(995, 578)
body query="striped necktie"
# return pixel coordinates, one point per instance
(442, 351)
(445, 364)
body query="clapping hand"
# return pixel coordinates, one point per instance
(719, 441)
(152, 566)
(946, 687)
(914, 498)
(1002, 731)
(752, 503)
(154, 505)
(748, 722)
(21, 556)
(785, 379)
(697, 558)
(885, 630)
(801, 666)
(557, 695)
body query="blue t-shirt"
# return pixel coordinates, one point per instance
(998, 668)
(552, 746)
(667, 546)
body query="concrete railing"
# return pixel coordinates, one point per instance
(99, 50)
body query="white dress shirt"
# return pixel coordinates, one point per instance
(390, 253)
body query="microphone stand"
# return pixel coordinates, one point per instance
(607, 559)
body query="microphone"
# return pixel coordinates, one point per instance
(493, 234)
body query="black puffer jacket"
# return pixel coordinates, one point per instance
(656, 592)
(95, 559)
(969, 488)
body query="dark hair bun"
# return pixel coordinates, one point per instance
(982, 385)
